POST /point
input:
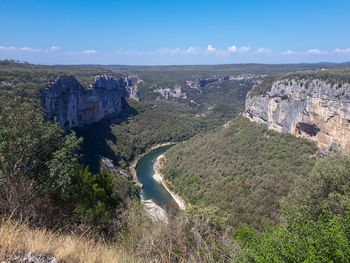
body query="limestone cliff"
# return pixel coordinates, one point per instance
(313, 108)
(73, 105)
(175, 91)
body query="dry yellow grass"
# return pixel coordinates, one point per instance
(17, 238)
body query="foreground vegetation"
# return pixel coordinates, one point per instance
(40, 171)
(16, 239)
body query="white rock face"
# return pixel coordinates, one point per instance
(313, 109)
(174, 92)
(155, 211)
(72, 105)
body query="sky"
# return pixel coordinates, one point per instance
(169, 32)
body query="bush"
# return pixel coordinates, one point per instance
(327, 187)
(299, 239)
(97, 196)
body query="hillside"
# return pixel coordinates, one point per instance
(242, 168)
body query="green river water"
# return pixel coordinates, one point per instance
(151, 188)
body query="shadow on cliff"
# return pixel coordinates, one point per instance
(96, 136)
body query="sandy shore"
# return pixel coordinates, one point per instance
(159, 178)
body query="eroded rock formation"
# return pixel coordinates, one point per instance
(174, 92)
(72, 105)
(314, 109)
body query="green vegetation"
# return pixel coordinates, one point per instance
(176, 73)
(27, 80)
(299, 239)
(123, 141)
(35, 149)
(283, 205)
(244, 169)
(316, 220)
(39, 169)
(326, 188)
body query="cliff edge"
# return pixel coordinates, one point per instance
(72, 105)
(313, 105)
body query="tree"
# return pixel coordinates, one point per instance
(299, 239)
(35, 149)
(327, 186)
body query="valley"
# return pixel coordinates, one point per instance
(257, 151)
(174, 131)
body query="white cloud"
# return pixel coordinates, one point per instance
(232, 49)
(192, 50)
(263, 50)
(29, 49)
(20, 49)
(235, 49)
(89, 51)
(315, 52)
(288, 52)
(244, 49)
(342, 51)
(167, 51)
(210, 48)
(308, 52)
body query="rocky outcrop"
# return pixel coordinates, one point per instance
(30, 257)
(72, 105)
(311, 108)
(202, 82)
(155, 212)
(173, 92)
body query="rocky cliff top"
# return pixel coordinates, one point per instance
(305, 104)
(333, 77)
(72, 105)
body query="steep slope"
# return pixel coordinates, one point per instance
(314, 105)
(242, 168)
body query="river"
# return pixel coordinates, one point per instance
(151, 188)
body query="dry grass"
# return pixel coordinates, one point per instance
(16, 238)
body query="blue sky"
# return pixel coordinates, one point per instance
(154, 32)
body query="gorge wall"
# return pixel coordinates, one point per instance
(315, 109)
(72, 105)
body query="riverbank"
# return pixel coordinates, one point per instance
(132, 167)
(157, 175)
